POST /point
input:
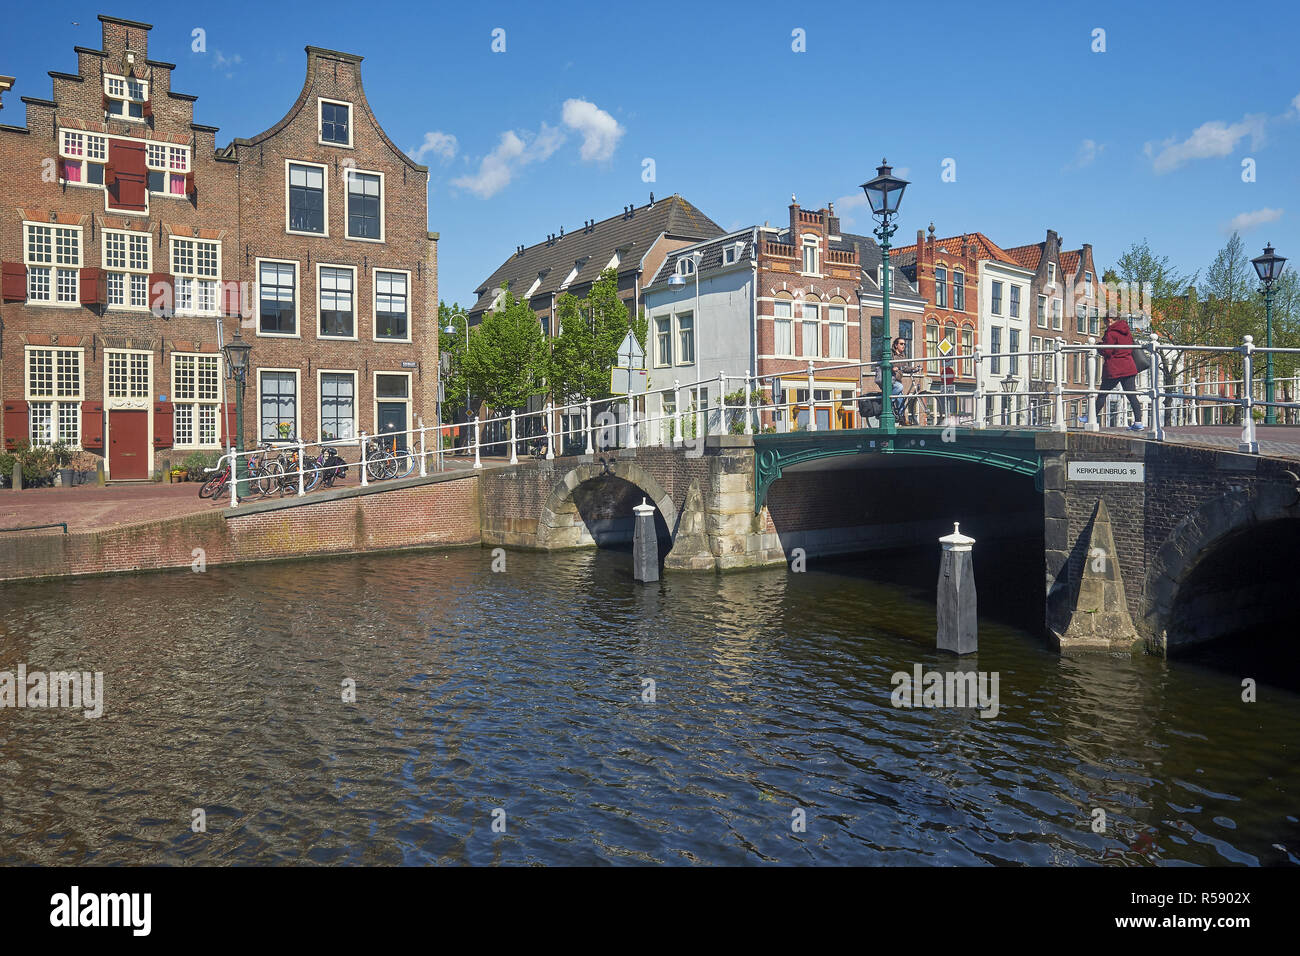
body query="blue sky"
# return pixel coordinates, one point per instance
(1145, 139)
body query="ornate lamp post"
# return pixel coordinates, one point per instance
(237, 363)
(1269, 266)
(884, 194)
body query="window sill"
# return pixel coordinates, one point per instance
(277, 335)
(41, 303)
(336, 338)
(376, 242)
(326, 142)
(303, 232)
(394, 341)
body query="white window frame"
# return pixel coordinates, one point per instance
(782, 318)
(125, 115)
(1014, 313)
(325, 197)
(677, 332)
(356, 407)
(658, 352)
(1087, 284)
(297, 404)
(83, 159)
(814, 243)
(1040, 314)
(356, 295)
(815, 305)
(383, 205)
(374, 304)
(195, 277)
(297, 297)
(56, 398)
(958, 285)
(685, 267)
(376, 399)
(196, 402)
(1056, 314)
(128, 272)
(842, 323)
(168, 168)
(995, 297)
(320, 122)
(53, 265)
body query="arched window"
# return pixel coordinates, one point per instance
(941, 287)
(783, 324)
(966, 367)
(810, 255)
(959, 290)
(931, 340)
(837, 340)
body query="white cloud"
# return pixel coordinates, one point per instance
(513, 152)
(1244, 222)
(600, 131)
(1086, 154)
(228, 63)
(436, 143)
(1209, 140)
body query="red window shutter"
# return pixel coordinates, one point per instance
(92, 424)
(93, 286)
(15, 421)
(147, 109)
(227, 424)
(232, 303)
(162, 424)
(190, 188)
(106, 102)
(162, 294)
(13, 284)
(130, 176)
(63, 168)
(110, 175)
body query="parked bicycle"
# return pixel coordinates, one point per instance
(385, 458)
(257, 471)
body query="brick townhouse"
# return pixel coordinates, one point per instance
(127, 238)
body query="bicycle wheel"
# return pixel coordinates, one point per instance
(404, 462)
(270, 479)
(377, 465)
(214, 485)
(313, 476)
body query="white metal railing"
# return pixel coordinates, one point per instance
(686, 411)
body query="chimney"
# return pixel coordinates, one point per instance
(832, 220)
(920, 241)
(794, 220)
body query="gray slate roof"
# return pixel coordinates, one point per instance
(712, 254)
(631, 235)
(870, 257)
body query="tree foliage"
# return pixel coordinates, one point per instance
(591, 331)
(506, 363)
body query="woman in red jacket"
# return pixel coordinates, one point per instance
(1118, 368)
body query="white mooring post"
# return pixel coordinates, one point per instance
(749, 423)
(234, 481)
(645, 544)
(1094, 417)
(958, 630)
(423, 471)
(364, 480)
(1249, 444)
(514, 456)
(550, 445)
(302, 468)
(812, 405)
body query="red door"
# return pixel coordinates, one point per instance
(128, 450)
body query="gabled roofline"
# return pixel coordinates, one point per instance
(105, 18)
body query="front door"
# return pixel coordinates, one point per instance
(128, 445)
(392, 418)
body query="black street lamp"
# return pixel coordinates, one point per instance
(237, 351)
(884, 193)
(1269, 267)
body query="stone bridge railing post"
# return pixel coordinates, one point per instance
(1058, 396)
(1249, 444)
(423, 469)
(364, 480)
(979, 400)
(588, 429)
(550, 444)
(749, 424)
(677, 411)
(514, 455)
(478, 440)
(1156, 422)
(812, 400)
(631, 420)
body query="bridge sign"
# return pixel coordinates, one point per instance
(1126, 471)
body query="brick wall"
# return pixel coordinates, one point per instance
(442, 513)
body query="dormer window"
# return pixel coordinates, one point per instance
(126, 97)
(731, 254)
(335, 123)
(686, 266)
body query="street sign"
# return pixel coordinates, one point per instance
(949, 372)
(630, 353)
(628, 381)
(410, 364)
(945, 346)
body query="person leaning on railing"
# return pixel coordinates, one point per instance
(1118, 368)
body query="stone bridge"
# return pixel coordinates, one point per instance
(1164, 545)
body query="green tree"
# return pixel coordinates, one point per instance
(506, 363)
(591, 331)
(452, 344)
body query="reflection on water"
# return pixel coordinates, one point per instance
(523, 691)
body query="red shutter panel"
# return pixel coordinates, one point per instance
(147, 109)
(227, 424)
(13, 284)
(130, 176)
(162, 294)
(105, 100)
(92, 424)
(110, 175)
(93, 286)
(162, 424)
(15, 422)
(190, 188)
(63, 168)
(232, 300)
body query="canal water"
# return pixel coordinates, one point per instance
(505, 717)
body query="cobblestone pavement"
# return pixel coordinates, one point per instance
(1282, 441)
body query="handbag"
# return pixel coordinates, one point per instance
(1142, 359)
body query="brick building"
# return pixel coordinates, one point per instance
(129, 241)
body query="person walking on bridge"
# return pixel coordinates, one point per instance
(1118, 368)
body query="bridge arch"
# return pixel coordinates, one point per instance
(563, 524)
(1224, 568)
